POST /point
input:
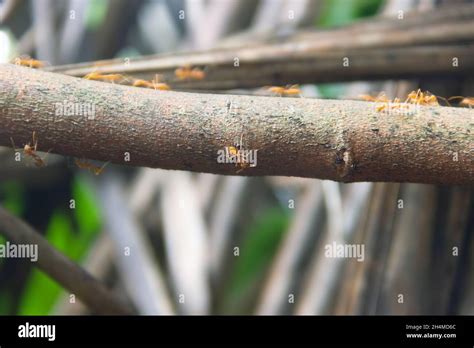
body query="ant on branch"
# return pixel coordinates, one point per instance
(154, 84)
(29, 62)
(243, 157)
(30, 150)
(424, 98)
(188, 73)
(465, 101)
(289, 90)
(414, 98)
(82, 164)
(380, 98)
(105, 77)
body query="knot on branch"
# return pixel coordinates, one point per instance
(345, 162)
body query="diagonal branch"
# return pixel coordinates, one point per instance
(337, 140)
(71, 276)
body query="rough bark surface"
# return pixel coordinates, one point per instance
(329, 139)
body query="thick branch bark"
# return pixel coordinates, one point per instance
(338, 140)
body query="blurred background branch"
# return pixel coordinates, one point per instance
(375, 50)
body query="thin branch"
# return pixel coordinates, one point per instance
(286, 266)
(338, 140)
(398, 50)
(325, 275)
(406, 251)
(222, 223)
(7, 9)
(67, 273)
(364, 278)
(100, 259)
(142, 276)
(207, 189)
(44, 14)
(97, 263)
(185, 236)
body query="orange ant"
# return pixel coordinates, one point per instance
(153, 84)
(143, 83)
(423, 98)
(237, 151)
(392, 104)
(89, 166)
(106, 77)
(28, 62)
(188, 73)
(465, 101)
(380, 98)
(161, 86)
(415, 97)
(285, 91)
(30, 150)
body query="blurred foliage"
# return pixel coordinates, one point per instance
(6, 302)
(96, 12)
(332, 90)
(13, 194)
(41, 292)
(342, 12)
(257, 251)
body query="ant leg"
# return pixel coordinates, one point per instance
(13, 144)
(101, 169)
(446, 100)
(35, 141)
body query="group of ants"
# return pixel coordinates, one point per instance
(189, 73)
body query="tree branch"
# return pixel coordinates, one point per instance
(277, 67)
(376, 49)
(71, 276)
(337, 140)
